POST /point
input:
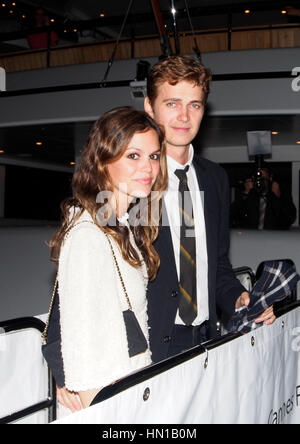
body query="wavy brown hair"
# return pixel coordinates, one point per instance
(107, 141)
(175, 69)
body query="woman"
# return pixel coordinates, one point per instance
(124, 161)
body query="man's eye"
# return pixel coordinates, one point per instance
(171, 104)
(133, 156)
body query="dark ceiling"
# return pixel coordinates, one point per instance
(58, 140)
(96, 20)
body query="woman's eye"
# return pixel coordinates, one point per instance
(155, 156)
(133, 156)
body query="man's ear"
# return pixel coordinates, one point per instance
(148, 107)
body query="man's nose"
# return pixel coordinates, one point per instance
(184, 114)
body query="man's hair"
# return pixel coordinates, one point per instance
(175, 69)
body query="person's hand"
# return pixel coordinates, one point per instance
(268, 316)
(276, 189)
(243, 300)
(68, 399)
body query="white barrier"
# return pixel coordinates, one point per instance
(254, 379)
(23, 375)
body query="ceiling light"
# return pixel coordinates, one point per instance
(298, 142)
(39, 143)
(2, 151)
(72, 163)
(247, 11)
(101, 15)
(275, 133)
(52, 20)
(283, 11)
(173, 10)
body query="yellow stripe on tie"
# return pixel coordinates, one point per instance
(188, 297)
(187, 255)
(186, 216)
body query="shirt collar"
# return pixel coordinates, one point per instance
(173, 165)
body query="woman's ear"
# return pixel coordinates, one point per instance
(148, 107)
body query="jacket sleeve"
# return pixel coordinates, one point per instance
(228, 287)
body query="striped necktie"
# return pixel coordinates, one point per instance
(187, 285)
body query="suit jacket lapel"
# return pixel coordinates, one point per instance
(208, 200)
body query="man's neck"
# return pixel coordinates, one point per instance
(180, 154)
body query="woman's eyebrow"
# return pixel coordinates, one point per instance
(139, 149)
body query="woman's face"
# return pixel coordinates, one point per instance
(134, 174)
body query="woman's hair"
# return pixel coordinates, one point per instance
(176, 69)
(107, 141)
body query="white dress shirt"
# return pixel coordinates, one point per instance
(171, 198)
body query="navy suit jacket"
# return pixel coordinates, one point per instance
(223, 287)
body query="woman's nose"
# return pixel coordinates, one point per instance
(146, 165)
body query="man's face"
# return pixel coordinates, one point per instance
(179, 108)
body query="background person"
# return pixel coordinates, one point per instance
(42, 40)
(269, 208)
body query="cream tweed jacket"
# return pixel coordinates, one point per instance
(94, 341)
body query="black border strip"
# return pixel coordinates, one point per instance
(122, 83)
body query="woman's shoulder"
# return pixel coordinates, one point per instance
(85, 232)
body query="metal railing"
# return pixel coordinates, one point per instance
(15, 325)
(220, 39)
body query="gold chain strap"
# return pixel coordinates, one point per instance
(44, 334)
(119, 273)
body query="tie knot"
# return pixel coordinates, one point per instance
(181, 174)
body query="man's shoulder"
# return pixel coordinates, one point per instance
(208, 166)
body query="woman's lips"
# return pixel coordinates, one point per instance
(145, 181)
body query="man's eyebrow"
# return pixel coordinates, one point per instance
(173, 99)
(180, 100)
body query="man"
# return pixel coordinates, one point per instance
(177, 92)
(268, 207)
